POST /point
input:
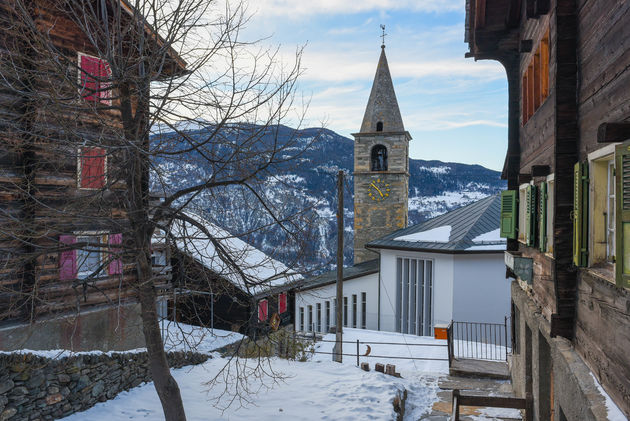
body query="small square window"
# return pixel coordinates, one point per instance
(89, 256)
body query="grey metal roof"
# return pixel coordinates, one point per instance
(382, 105)
(466, 223)
(350, 272)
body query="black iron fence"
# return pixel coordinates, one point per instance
(478, 341)
(356, 345)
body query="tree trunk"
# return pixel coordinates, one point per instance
(165, 385)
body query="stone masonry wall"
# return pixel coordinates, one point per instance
(374, 219)
(38, 388)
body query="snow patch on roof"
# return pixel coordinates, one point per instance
(435, 235)
(254, 272)
(487, 247)
(489, 241)
(489, 236)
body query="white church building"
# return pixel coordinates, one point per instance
(407, 279)
(448, 268)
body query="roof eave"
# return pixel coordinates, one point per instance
(431, 250)
(307, 287)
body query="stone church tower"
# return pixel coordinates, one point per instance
(381, 166)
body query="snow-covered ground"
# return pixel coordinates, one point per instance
(410, 346)
(309, 391)
(318, 389)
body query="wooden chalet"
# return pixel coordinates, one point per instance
(567, 206)
(209, 292)
(64, 281)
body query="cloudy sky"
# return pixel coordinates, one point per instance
(454, 108)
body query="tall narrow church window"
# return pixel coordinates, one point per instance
(379, 126)
(379, 158)
(414, 292)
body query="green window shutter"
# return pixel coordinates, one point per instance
(542, 218)
(530, 216)
(622, 215)
(508, 214)
(580, 214)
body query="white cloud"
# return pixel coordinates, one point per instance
(294, 8)
(342, 67)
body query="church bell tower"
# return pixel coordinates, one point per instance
(381, 166)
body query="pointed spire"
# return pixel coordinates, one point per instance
(382, 106)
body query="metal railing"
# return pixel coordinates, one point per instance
(358, 354)
(478, 341)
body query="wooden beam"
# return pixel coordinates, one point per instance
(492, 401)
(513, 17)
(524, 178)
(480, 14)
(542, 7)
(526, 46)
(530, 9)
(613, 132)
(540, 170)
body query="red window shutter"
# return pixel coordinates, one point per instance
(115, 266)
(262, 310)
(282, 302)
(92, 168)
(90, 70)
(67, 259)
(104, 93)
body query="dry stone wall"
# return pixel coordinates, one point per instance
(33, 387)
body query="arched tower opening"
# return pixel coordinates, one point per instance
(379, 158)
(379, 126)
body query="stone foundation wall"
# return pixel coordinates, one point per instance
(105, 328)
(36, 387)
(550, 367)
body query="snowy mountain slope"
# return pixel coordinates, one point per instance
(309, 181)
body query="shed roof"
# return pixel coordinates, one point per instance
(252, 270)
(470, 229)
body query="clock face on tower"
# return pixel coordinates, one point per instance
(378, 190)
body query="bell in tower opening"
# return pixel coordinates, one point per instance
(379, 158)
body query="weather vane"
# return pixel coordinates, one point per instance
(383, 35)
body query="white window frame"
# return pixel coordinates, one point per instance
(600, 162)
(551, 187)
(159, 258)
(522, 212)
(104, 239)
(610, 210)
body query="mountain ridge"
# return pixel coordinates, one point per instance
(435, 187)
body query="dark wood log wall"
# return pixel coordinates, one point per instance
(233, 308)
(38, 176)
(602, 326)
(537, 144)
(589, 86)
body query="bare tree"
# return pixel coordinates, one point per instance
(89, 136)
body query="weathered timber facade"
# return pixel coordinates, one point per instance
(568, 68)
(66, 277)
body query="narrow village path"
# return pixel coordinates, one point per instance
(442, 407)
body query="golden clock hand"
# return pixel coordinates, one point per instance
(379, 190)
